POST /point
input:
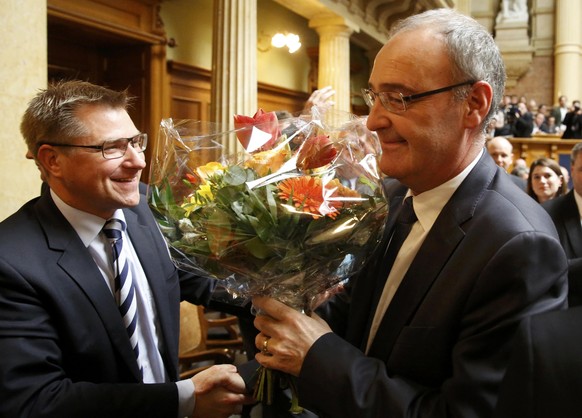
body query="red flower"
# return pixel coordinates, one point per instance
(315, 152)
(250, 138)
(192, 179)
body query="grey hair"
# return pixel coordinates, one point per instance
(471, 49)
(576, 149)
(51, 115)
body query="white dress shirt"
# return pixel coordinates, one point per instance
(427, 207)
(89, 228)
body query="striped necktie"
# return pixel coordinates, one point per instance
(124, 286)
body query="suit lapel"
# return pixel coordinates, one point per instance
(439, 245)
(77, 263)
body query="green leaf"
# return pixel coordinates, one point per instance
(219, 232)
(257, 248)
(235, 176)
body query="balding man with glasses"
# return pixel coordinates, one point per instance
(89, 297)
(428, 334)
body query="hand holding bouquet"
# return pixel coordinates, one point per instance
(298, 212)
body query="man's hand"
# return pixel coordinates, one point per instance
(288, 334)
(320, 98)
(219, 392)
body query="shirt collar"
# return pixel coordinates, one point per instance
(428, 205)
(87, 225)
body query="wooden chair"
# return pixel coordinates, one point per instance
(197, 351)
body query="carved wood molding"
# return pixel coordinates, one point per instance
(135, 19)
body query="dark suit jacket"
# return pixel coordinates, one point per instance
(566, 217)
(544, 377)
(491, 258)
(65, 351)
(523, 126)
(573, 122)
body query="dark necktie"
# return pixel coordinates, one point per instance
(124, 286)
(404, 221)
(406, 218)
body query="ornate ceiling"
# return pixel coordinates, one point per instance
(371, 19)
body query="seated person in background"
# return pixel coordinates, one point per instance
(523, 123)
(520, 162)
(520, 169)
(89, 297)
(545, 180)
(499, 125)
(540, 125)
(501, 151)
(521, 172)
(566, 212)
(553, 128)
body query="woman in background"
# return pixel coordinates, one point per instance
(545, 180)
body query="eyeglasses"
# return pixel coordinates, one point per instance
(112, 149)
(397, 103)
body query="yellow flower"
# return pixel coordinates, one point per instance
(207, 170)
(204, 192)
(266, 162)
(198, 198)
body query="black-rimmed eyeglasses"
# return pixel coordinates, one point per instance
(396, 102)
(112, 149)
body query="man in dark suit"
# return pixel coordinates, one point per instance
(429, 336)
(501, 151)
(544, 376)
(559, 111)
(566, 214)
(66, 348)
(573, 122)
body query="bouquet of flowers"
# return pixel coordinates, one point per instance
(296, 213)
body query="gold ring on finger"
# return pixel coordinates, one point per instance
(266, 345)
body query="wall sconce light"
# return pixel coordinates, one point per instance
(280, 40)
(290, 40)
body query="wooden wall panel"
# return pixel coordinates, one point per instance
(190, 94)
(272, 98)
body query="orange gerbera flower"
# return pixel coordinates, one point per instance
(307, 194)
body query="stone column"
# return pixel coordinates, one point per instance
(512, 25)
(22, 73)
(234, 62)
(567, 51)
(463, 6)
(334, 57)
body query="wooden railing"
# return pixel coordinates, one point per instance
(538, 146)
